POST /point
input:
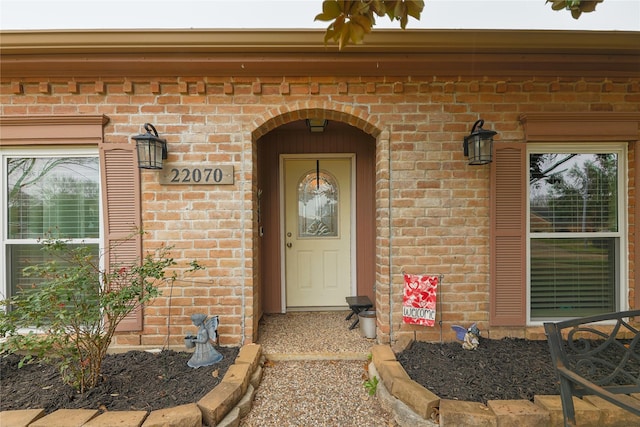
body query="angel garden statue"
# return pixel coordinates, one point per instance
(205, 353)
(469, 337)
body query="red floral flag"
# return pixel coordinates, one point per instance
(419, 299)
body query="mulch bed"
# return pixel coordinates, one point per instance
(135, 380)
(497, 370)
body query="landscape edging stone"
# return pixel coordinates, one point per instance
(588, 412)
(220, 401)
(249, 354)
(403, 415)
(383, 357)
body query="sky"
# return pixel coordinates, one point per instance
(623, 15)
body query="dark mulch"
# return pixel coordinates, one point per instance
(498, 370)
(135, 380)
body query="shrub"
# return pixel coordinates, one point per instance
(69, 318)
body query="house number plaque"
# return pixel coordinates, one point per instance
(189, 174)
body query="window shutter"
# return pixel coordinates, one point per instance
(122, 219)
(508, 220)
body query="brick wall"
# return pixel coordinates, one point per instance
(432, 208)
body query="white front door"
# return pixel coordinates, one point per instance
(317, 227)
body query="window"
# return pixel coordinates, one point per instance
(576, 229)
(46, 193)
(77, 139)
(582, 132)
(318, 205)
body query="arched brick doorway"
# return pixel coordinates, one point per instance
(294, 138)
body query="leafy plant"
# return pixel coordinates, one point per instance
(351, 20)
(70, 316)
(371, 385)
(576, 7)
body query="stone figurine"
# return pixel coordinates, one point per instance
(470, 337)
(205, 353)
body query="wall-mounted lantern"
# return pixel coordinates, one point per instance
(478, 146)
(151, 149)
(317, 125)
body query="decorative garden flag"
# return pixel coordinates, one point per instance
(419, 299)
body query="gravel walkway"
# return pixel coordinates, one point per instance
(314, 374)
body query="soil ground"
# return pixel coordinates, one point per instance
(135, 380)
(497, 370)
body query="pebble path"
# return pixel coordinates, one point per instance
(315, 393)
(314, 374)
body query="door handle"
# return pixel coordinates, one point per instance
(289, 244)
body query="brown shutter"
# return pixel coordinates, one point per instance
(122, 219)
(508, 221)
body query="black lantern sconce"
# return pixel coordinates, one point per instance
(478, 146)
(317, 125)
(152, 150)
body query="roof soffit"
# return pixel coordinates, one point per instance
(302, 52)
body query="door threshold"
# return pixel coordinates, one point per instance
(319, 308)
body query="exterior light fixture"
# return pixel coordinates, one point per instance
(316, 125)
(478, 146)
(151, 149)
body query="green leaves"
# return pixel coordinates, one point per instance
(70, 313)
(575, 6)
(352, 20)
(330, 11)
(371, 385)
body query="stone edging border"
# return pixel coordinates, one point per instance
(223, 406)
(415, 406)
(411, 404)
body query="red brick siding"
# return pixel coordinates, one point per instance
(432, 208)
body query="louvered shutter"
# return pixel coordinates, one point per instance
(508, 220)
(122, 219)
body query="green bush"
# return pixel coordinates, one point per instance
(69, 318)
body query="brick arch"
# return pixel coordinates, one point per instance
(358, 117)
(278, 116)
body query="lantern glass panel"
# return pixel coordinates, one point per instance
(480, 147)
(156, 150)
(143, 153)
(150, 154)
